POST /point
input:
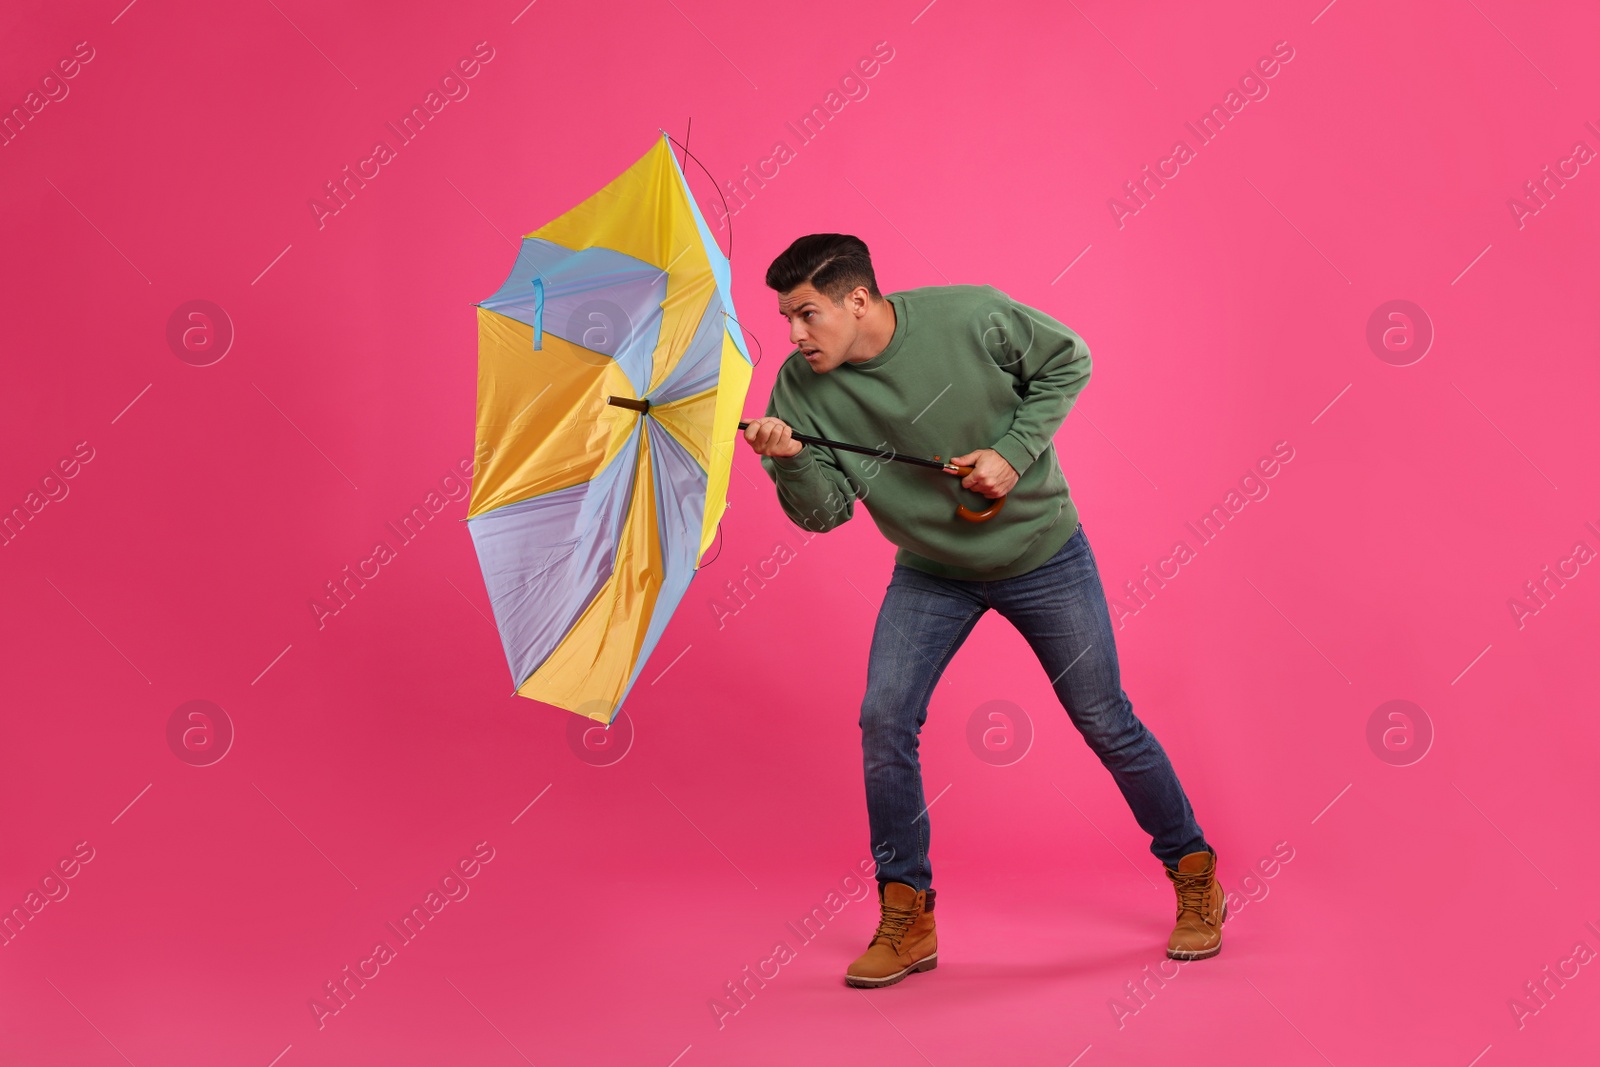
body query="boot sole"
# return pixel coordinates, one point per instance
(1201, 954)
(926, 964)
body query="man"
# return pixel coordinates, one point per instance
(930, 372)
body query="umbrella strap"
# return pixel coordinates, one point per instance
(538, 313)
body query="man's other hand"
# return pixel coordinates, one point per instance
(772, 437)
(991, 474)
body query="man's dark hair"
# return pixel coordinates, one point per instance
(832, 263)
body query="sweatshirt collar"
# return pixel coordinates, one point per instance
(902, 326)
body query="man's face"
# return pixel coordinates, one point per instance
(822, 330)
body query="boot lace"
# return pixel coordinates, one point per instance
(893, 925)
(1193, 889)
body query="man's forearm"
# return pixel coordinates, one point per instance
(807, 493)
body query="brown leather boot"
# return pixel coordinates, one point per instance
(904, 942)
(1202, 907)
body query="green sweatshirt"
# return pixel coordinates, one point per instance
(967, 368)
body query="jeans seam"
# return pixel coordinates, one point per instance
(933, 683)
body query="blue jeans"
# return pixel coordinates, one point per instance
(1060, 608)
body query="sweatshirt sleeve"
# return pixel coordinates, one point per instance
(812, 490)
(1051, 363)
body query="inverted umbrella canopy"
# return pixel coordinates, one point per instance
(589, 518)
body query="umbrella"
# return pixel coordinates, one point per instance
(589, 518)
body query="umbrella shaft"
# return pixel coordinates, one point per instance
(643, 406)
(810, 440)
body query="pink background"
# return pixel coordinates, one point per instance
(372, 754)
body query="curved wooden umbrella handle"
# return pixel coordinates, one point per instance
(967, 513)
(981, 516)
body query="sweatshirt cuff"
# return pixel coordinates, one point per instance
(1012, 452)
(795, 463)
